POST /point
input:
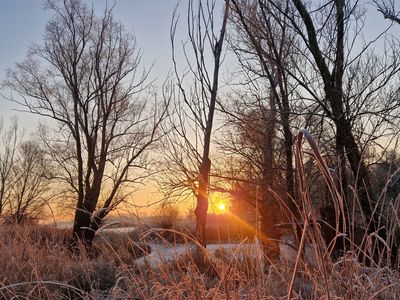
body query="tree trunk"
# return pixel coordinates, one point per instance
(289, 172)
(80, 231)
(202, 202)
(270, 237)
(358, 168)
(269, 212)
(345, 142)
(204, 170)
(84, 228)
(269, 208)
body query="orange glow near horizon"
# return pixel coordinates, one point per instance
(219, 203)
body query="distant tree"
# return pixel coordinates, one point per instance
(8, 152)
(24, 182)
(86, 78)
(30, 185)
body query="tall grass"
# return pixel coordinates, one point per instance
(35, 262)
(44, 269)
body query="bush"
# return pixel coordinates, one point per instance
(167, 216)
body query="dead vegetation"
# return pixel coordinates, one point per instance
(36, 264)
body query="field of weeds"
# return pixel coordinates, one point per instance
(35, 264)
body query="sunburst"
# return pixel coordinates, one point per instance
(222, 208)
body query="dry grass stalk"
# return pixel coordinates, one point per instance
(35, 264)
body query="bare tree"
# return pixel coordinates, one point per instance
(24, 184)
(86, 78)
(9, 145)
(30, 185)
(388, 10)
(343, 89)
(263, 46)
(351, 86)
(347, 96)
(199, 100)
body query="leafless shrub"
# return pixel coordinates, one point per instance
(167, 216)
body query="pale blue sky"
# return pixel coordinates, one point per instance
(22, 22)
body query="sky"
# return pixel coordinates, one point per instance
(22, 22)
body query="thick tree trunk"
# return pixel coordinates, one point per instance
(84, 228)
(80, 231)
(359, 170)
(345, 142)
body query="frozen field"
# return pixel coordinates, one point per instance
(164, 252)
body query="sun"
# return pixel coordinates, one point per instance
(219, 203)
(222, 207)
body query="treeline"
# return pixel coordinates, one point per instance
(292, 65)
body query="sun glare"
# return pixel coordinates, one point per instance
(222, 207)
(219, 203)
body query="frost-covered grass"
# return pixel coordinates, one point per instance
(35, 264)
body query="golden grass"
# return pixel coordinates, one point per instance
(35, 264)
(32, 268)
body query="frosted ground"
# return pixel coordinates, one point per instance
(161, 252)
